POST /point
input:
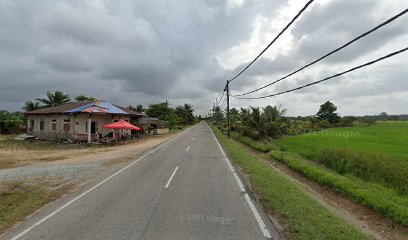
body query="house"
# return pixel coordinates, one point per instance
(77, 121)
(153, 125)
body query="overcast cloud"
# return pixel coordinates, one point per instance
(141, 52)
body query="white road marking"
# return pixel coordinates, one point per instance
(87, 191)
(255, 212)
(171, 177)
(257, 217)
(188, 148)
(193, 139)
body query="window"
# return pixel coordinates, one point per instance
(42, 125)
(67, 124)
(31, 127)
(54, 125)
(94, 127)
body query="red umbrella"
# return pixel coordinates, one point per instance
(121, 124)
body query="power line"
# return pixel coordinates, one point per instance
(220, 98)
(333, 76)
(277, 36)
(328, 54)
(223, 105)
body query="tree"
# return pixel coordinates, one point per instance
(271, 119)
(84, 98)
(274, 113)
(54, 99)
(327, 112)
(30, 106)
(10, 121)
(217, 114)
(347, 121)
(140, 108)
(163, 112)
(185, 114)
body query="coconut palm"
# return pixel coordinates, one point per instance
(139, 108)
(54, 99)
(84, 98)
(30, 106)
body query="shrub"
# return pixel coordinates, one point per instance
(265, 148)
(378, 197)
(368, 166)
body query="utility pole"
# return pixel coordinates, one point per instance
(213, 116)
(228, 110)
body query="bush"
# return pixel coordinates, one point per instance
(265, 148)
(370, 167)
(378, 197)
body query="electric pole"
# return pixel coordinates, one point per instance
(228, 110)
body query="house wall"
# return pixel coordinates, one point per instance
(78, 124)
(161, 130)
(48, 132)
(102, 119)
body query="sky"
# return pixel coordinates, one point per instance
(144, 52)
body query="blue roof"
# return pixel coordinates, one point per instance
(98, 106)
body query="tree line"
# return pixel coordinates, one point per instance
(270, 121)
(180, 115)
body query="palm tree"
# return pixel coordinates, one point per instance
(54, 99)
(84, 98)
(30, 106)
(272, 118)
(139, 108)
(271, 114)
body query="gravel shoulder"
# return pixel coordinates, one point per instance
(39, 180)
(74, 165)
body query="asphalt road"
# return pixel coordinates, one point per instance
(184, 189)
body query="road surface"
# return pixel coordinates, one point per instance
(184, 189)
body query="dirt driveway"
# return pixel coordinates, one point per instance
(37, 161)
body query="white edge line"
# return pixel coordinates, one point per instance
(171, 177)
(88, 191)
(258, 218)
(255, 212)
(188, 148)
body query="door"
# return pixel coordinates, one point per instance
(93, 127)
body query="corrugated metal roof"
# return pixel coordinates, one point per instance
(95, 106)
(59, 109)
(98, 107)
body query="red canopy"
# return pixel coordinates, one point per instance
(121, 124)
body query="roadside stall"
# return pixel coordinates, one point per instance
(123, 128)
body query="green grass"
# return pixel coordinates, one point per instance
(304, 217)
(259, 146)
(378, 153)
(17, 200)
(378, 197)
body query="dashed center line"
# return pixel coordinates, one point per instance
(188, 148)
(193, 139)
(171, 177)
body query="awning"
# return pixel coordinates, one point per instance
(121, 124)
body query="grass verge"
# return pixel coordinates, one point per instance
(18, 200)
(304, 217)
(265, 148)
(382, 199)
(376, 154)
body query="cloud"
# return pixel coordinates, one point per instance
(132, 52)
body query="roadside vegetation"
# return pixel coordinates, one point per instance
(177, 117)
(364, 158)
(18, 199)
(303, 217)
